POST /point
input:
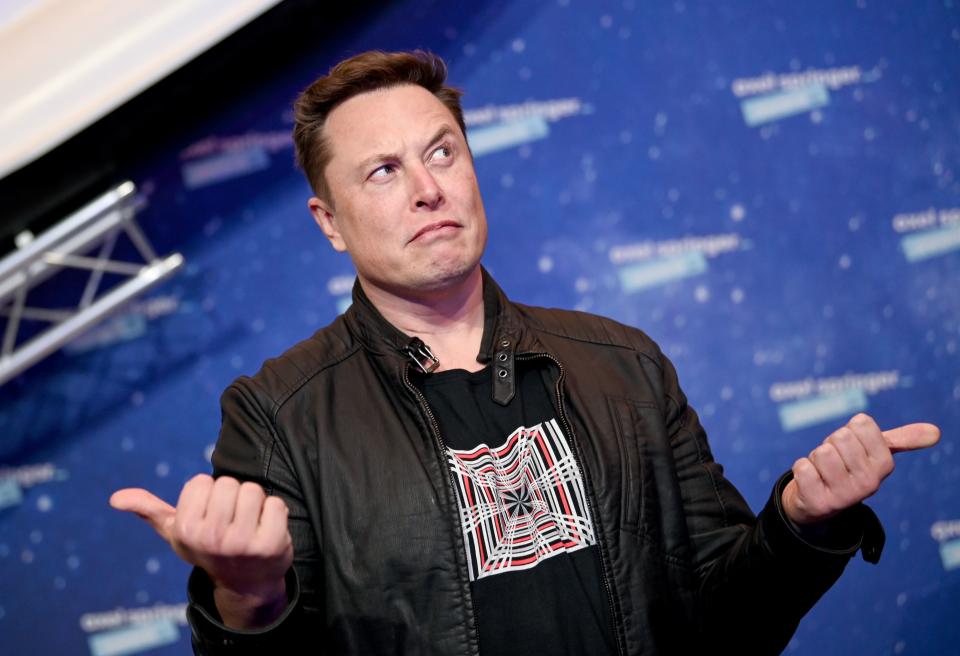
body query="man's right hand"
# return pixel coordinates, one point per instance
(234, 532)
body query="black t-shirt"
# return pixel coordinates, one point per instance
(528, 531)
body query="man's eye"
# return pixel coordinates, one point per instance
(442, 153)
(382, 171)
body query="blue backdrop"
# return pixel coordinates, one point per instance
(769, 189)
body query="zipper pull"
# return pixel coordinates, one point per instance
(421, 355)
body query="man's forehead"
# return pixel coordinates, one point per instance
(385, 120)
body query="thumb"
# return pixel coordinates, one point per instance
(911, 437)
(152, 509)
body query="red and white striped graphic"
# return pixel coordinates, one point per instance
(522, 502)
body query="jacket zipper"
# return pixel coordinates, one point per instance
(438, 439)
(593, 505)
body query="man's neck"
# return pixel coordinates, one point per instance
(450, 321)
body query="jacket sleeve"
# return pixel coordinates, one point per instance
(250, 449)
(757, 576)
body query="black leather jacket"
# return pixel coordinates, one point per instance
(335, 427)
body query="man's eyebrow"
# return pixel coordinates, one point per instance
(443, 131)
(375, 159)
(439, 134)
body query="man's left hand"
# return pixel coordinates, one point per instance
(848, 467)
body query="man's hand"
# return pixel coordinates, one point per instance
(232, 530)
(848, 467)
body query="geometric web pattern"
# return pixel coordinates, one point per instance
(522, 502)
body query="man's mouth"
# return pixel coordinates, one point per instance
(434, 227)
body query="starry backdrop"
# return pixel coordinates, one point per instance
(770, 190)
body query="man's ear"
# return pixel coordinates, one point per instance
(324, 215)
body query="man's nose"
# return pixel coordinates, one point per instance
(427, 194)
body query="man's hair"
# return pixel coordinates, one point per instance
(367, 71)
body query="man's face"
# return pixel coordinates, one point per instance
(405, 201)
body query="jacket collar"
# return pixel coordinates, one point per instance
(501, 322)
(503, 333)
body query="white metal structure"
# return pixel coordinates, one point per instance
(68, 245)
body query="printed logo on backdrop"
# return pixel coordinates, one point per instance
(648, 264)
(498, 127)
(928, 233)
(126, 326)
(124, 631)
(812, 401)
(340, 287)
(14, 481)
(947, 533)
(522, 502)
(773, 96)
(218, 158)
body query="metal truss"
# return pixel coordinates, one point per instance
(68, 245)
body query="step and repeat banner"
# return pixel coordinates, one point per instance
(770, 190)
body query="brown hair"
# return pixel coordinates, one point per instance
(367, 71)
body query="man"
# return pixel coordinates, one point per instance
(448, 472)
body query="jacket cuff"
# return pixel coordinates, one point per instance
(856, 528)
(211, 636)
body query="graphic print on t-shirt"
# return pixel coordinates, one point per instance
(522, 502)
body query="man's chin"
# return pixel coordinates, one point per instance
(440, 279)
(443, 278)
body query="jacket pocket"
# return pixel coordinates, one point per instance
(655, 503)
(629, 425)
